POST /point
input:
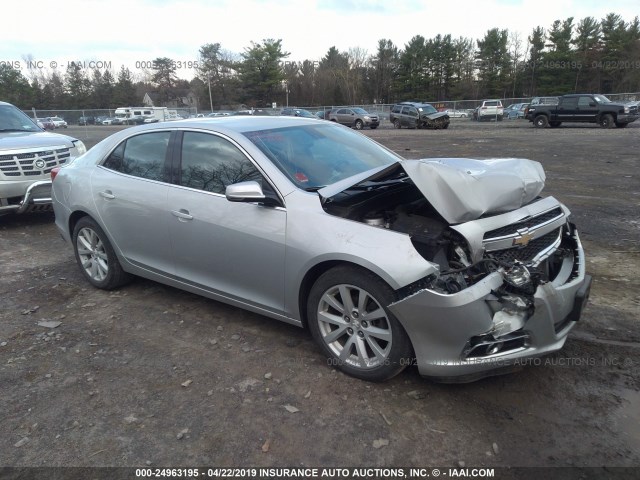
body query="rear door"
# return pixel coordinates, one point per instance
(566, 110)
(409, 116)
(232, 249)
(130, 194)
(342, 116)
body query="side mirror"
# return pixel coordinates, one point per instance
(244, 192)
(592, 104)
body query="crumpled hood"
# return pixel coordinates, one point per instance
(462, 189)
(15, 140)
(433, 116)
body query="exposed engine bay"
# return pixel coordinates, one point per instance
(526, 254)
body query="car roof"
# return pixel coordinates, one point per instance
(235, 123)
(414, 104)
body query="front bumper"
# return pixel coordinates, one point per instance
(37, 197)
(443, 326)
(626, 118)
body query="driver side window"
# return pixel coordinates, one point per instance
(211, 163)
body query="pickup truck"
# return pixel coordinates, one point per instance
(583, 108)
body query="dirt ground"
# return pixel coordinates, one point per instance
(150, 375)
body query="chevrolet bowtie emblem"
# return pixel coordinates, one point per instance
(523, 240)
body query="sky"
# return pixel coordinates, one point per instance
(111, 33)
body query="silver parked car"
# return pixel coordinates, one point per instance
(355, 117)
(457, 265)
(27, 156)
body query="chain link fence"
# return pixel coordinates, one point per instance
(96, 116)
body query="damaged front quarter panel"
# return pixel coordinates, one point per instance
(499, 322)
(510, 280)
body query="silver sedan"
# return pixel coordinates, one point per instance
(458, 266)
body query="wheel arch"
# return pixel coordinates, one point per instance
(75, 217)
(312, 275)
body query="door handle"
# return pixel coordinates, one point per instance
(107, 194)
(182, 214)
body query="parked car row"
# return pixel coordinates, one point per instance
(354, 117)
(51, 123)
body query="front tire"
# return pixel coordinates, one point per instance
(396, 124)
(621, 125)
(96, 257)
(555, 124)
(349, 319)
(358, 125)
(606, 121)
(541, 121)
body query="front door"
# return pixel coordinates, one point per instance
(232, 249)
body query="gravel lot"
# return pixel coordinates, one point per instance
(150, 375)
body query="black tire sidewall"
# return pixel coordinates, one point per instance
(401, 349)
(606, 121)
(541, 121)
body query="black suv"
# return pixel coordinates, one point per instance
(418, 115)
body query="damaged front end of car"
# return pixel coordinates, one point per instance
(510, 281)
(434, 121)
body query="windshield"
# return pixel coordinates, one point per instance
(427, 109)
(304, 113)
(13, 120)
(313, 156)
(360, 111)
(601, 99)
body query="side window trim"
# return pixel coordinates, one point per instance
(177, 162)
(167, 164)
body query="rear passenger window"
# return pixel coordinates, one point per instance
(141, 156)
(211, 163)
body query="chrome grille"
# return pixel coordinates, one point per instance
(24, 164)
(528, 253)
(529, 223)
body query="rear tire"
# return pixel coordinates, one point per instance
(349, 319)
(541, 121)
(96, 257)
